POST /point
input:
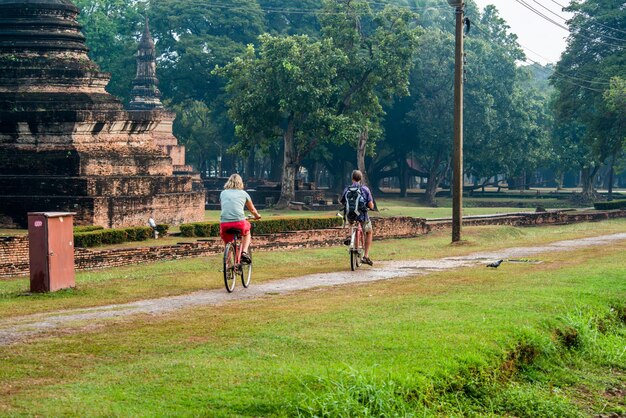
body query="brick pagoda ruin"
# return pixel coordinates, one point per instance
(68, 145)
(147, 97)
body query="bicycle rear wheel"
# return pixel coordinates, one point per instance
(246, 270)
(229, 266)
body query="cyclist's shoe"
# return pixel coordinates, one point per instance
(368, 261)
(347, 241)
(245, 258)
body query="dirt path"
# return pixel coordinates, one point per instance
(16, 329)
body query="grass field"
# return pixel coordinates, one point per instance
(526, 340)
(126, 284)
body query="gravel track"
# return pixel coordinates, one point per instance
(17, 329)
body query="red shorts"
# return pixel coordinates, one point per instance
(244, 226)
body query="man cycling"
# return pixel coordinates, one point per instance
(362, 217)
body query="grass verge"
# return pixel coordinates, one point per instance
(168, 278)
(523, 340)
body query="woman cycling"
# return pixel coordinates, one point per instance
(233, 199)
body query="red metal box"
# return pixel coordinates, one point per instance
(51, 251)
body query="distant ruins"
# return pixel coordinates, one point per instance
(68, 145)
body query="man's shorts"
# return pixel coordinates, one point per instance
(366, 225)
(244, 226)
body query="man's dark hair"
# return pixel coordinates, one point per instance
(357, 175)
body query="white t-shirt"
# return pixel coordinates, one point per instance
(233, 201)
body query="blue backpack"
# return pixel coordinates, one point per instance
(355, 203)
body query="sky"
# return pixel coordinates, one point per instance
(543, 41)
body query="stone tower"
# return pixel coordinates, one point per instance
(146, 94)
(68, 145)
(147, 97)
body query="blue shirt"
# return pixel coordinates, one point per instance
(367, 196)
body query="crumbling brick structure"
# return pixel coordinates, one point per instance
(68, 145)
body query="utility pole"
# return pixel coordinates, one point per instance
(457, 179)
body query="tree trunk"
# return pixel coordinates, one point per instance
(403, 176)
(290, 168)
(432, 185)
(360, 156)
(431, 190)
(587, 179)
(250, 164)
(560, 178)
(611, 175)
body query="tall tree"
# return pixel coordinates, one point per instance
(596, 52)
(379, 46)
(283, 92)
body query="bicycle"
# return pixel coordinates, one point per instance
(232, 262)
(357, 245)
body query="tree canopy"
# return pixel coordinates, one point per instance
(339, 83)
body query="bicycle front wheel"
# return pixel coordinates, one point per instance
(246, 270)
(354, 252)
(229, 266)
(360, 246)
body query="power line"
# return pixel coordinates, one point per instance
(567, 77)
(558, 4)
(317, 11)
(542, 68)
(598, 23)
(588, 29)
(538, 13)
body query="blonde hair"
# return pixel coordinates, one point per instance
(234, 182)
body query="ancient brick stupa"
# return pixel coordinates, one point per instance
(147, 97)
(68, 145)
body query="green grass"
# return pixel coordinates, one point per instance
(124, 284)
(167, 278)
(472, 342)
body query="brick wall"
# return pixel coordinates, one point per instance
(14, 250)
(13, 255)
(533, 219)
(86, 258)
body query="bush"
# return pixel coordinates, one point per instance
(142, 233)
(102, 236)
(272, 226)
(162, 229)
(113, 236)
(186, 230)
(87, 228)
(87, 239)
(614, 204)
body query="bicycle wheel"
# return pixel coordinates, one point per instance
(229, 266)
(358, 247)
(361, 246)
(354, 255)
(246, 270)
